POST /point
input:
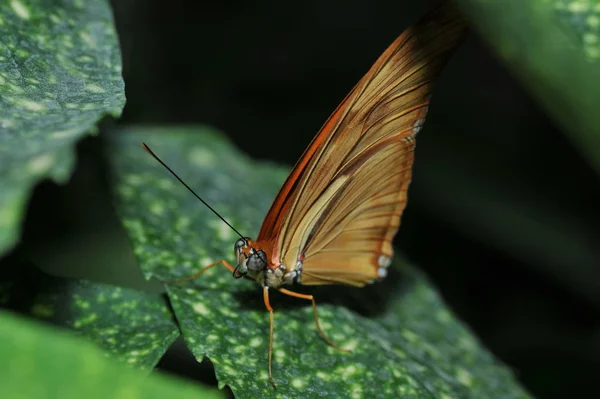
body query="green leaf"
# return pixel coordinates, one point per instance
(582, 18)
(41, 362)
(405, 341)
(60, 73)
(553, 46)
(131, 326)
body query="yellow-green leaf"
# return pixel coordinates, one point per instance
(133, 327)
(40, 362)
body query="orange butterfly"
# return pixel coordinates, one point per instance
(334, 219)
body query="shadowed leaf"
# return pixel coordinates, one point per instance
(553, 46)
(131, 326)
(60, 73)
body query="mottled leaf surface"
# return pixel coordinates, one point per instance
(405, 342)
(131, 326)
(60, 73)
(553, 46)
(40, 362)
(583, 18)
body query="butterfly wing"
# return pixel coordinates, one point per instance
(340, 208)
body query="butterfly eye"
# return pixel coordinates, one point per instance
(239, 244)
(257, 261)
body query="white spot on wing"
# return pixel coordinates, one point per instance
(418, 125)
(410, 138)
(384, 261)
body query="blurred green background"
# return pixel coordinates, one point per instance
(503, 211)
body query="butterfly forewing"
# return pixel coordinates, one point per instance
(341, 206)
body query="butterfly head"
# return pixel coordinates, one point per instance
(249, 259)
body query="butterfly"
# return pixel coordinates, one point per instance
(335, 216)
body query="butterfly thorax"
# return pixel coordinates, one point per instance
(254, 260)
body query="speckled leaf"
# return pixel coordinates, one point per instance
(583, 18)
(39, 362)
(405, 342)
(60, 73)
(131, 326)
(553, 46)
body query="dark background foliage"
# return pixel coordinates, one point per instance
(503, 210)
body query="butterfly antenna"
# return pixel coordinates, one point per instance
(149, 151)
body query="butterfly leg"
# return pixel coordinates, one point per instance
(271, 328)
(205, 268)
(314, 305)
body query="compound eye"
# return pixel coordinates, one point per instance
(257, 261)
(239, 244)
